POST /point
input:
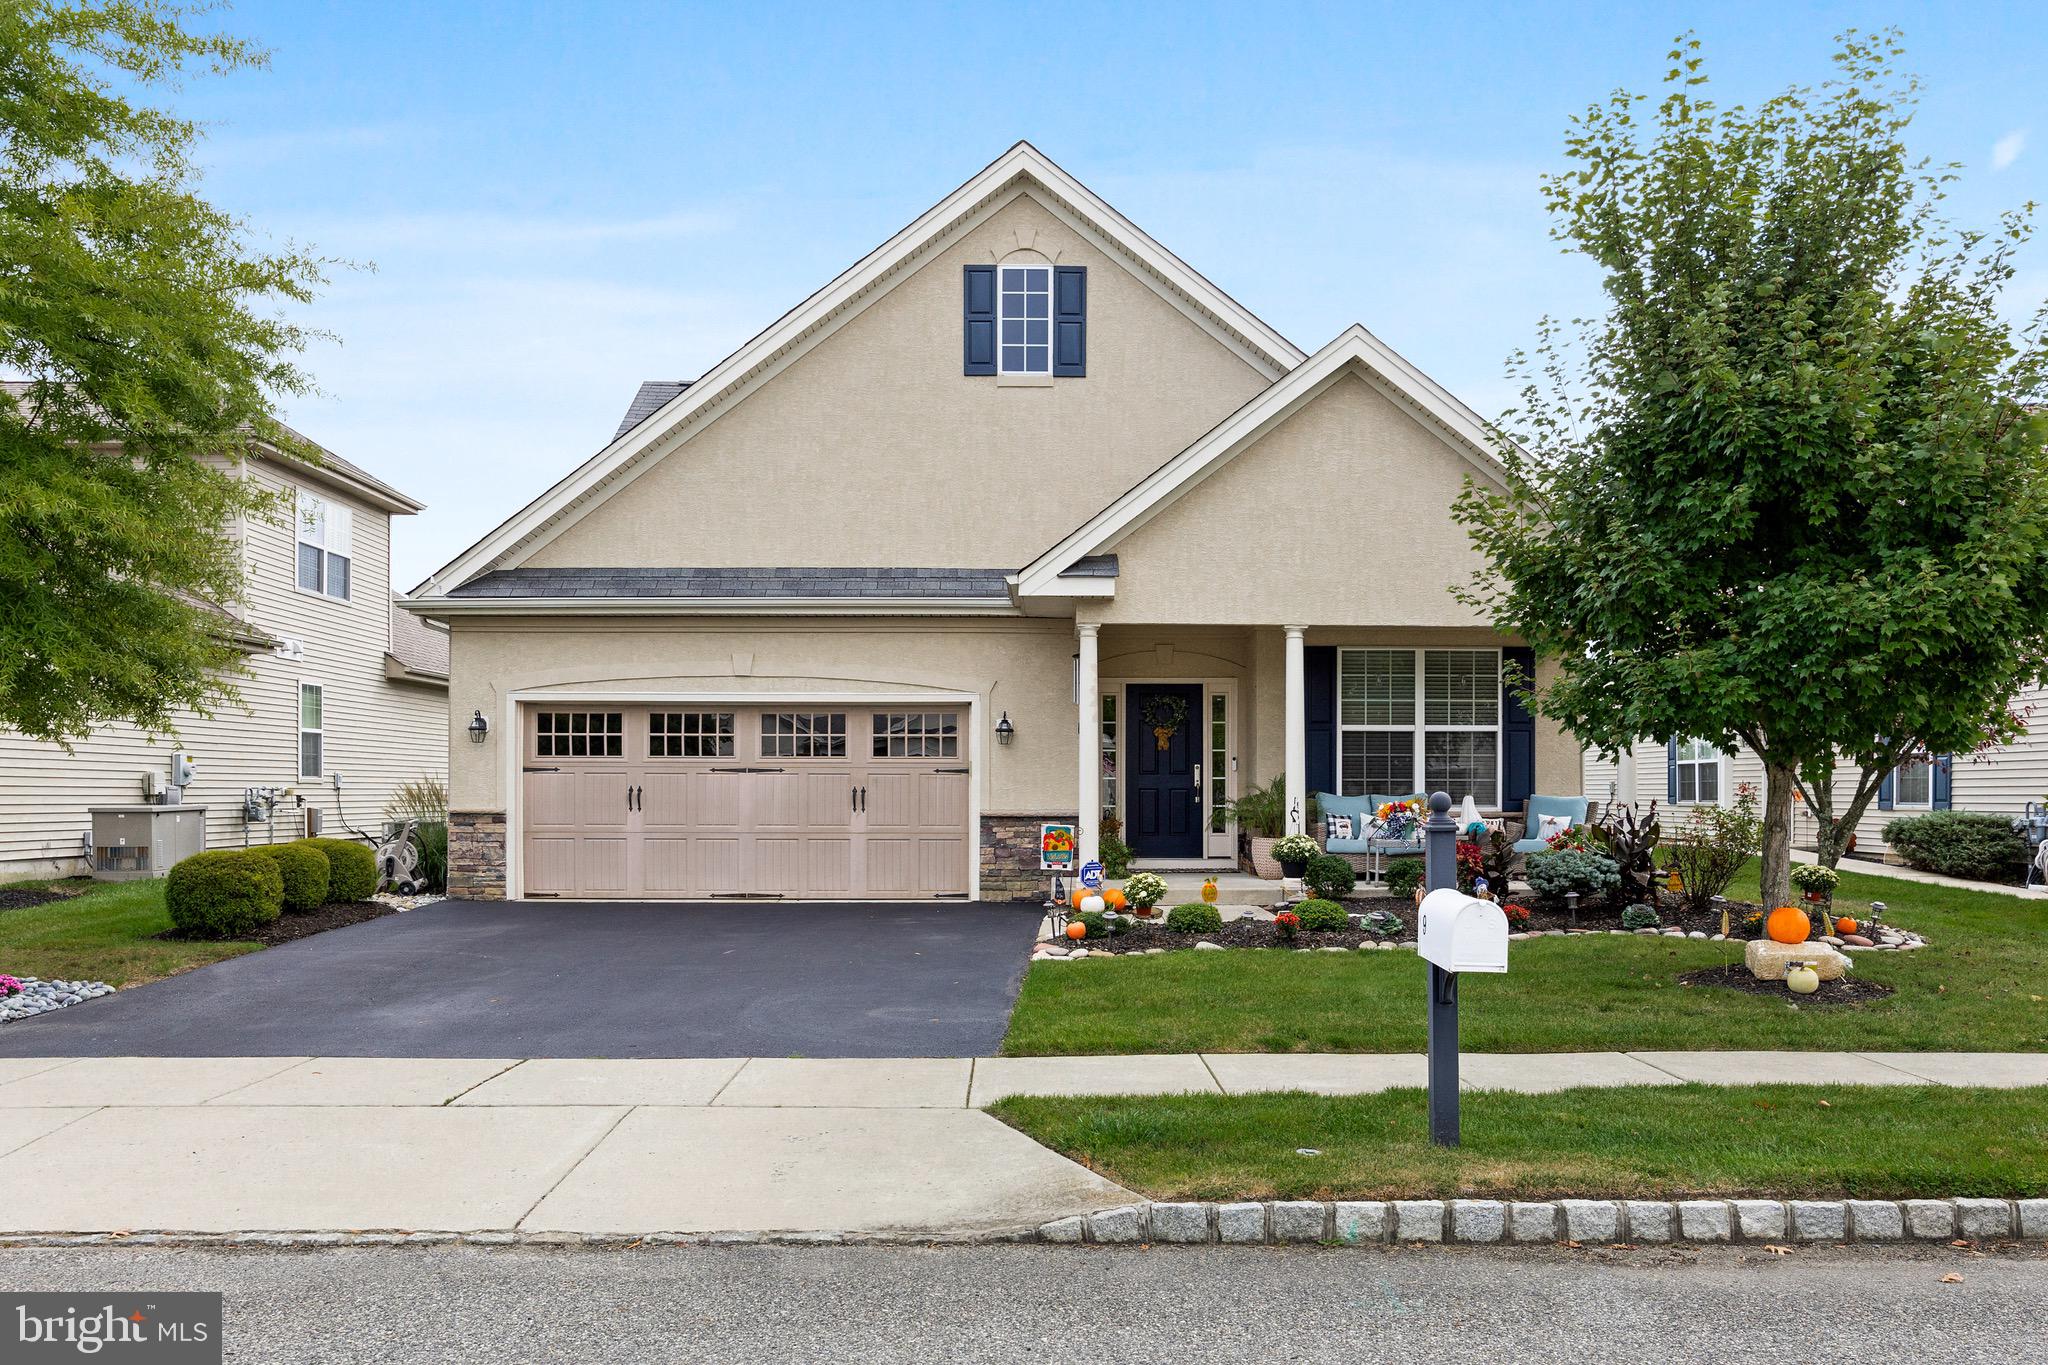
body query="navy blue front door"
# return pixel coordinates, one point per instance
(1163, 803)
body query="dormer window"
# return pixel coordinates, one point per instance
(1026, 341)
(1026, 318)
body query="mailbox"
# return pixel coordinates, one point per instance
(1462, 934)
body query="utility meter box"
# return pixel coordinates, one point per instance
(1460, 933)
(135, 841)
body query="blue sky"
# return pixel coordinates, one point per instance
(562, 200)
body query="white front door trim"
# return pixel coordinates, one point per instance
(1214, 844)
(512, 743)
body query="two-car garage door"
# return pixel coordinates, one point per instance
(672, 800)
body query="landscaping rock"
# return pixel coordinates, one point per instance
(1705, 1220)
(1418, 1220)
(1820, 1220)
(1759, 1220)
(1205, 945)
(1112, 1226)
(1651, 1220)
(1697, 933)
(1299, 1220)
(1591, 1220)
(1478, 1220)
(1363, 1221)
(1180, 1222)
(2034, 1218)
(40, 997)
(1876, 1220)
(1240, 1223)
(1930, 1219)
(1857, 941)
(1981, 1220)
(1534, 1222)
(1768, 961)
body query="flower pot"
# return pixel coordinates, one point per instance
(1263, 862)
(1297, 869)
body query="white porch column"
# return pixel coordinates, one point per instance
(1090, 812)
(1297, 732)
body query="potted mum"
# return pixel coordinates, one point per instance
(1293, 853)
(1817, 882)
(1144, 890)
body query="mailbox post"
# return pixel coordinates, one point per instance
(1454, 933)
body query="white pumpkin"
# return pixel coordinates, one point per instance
(1093, 905)
(1802, 979)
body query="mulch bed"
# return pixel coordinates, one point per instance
(1849, 990)
(295, 924)
(22, 900)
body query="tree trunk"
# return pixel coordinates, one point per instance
(1776, 872)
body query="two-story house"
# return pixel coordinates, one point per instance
(1019, 519)
(347, 696)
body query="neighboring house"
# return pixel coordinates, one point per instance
(1020, 519)
(1685, 774)
(348, 696)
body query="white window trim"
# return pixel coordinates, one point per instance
(1051, 291)
(1899, 802)
(328, 506)
(299, 719)
(1720, 764)
(1421, 728)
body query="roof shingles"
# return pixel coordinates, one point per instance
(959, 584)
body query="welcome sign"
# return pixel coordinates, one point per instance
(1058, 846)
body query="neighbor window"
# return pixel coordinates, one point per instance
(1913, 784)
(1698, 772)
(311, 731)
(1456, 745)
(1026, 320)
(323, 539)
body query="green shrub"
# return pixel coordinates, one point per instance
(304, 872)
(1194, 918)
(1713, 846)
(1640, 917)
(1553, 874)
(1961, 843)
(1384, 924)
(1116, 857)
(1329, 877)
(1095, 924)
(1403, 876)
(1323, 916)
(432, 841)
(224, 893)
(351, 868)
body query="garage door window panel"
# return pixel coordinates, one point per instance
(690, 734)
(580, 734)
(917, 734)
(803, 734)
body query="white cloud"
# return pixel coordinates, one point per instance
(2007, 149)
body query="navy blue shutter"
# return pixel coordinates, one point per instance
(1319, 664)
(1671, 771)
(1517, 732)
(1070, 322)
(1884, 790)
(978, 314)
(1944, 782)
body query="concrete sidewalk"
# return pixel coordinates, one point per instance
(697, 1145)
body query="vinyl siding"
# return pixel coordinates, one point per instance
(378, 733)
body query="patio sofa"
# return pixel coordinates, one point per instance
(1365, 854)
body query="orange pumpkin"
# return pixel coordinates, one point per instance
(1845, 925)
(1074, 900)
(1788, 924)
(1077, 930)
(1114, 897)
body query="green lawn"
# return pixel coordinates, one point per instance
(1981, 986)
(105, 934)
(1875, 1142)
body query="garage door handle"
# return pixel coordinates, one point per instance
(540, 770)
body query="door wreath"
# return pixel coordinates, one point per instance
(1163, 715)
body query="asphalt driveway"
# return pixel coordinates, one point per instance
(530, 979)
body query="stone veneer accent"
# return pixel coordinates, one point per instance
(476, 855)
(1009, 857)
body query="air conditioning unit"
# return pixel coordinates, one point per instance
(131, 841)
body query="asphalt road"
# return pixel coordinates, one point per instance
(1055, 1304)
(538, 980)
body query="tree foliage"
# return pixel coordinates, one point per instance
(141, 330)
(1786, 493)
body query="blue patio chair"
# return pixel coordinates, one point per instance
(1572, 808)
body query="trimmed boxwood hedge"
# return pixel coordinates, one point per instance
(305, 874)
(1323, 916)
(1329, 878)
(224, 893)
(1194, 918)
(351, 868)
(1961, 843)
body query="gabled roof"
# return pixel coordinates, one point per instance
(823, 312)
(1061, 571)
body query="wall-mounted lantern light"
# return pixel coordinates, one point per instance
(478, 728)
(1005, 732)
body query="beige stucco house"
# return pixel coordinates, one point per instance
(347, 698)
(1018, 520)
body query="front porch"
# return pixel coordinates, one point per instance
(1178, 723)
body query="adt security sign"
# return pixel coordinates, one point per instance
(1091, 876)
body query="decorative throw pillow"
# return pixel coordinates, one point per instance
(1549, 827)
(1336, 827)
